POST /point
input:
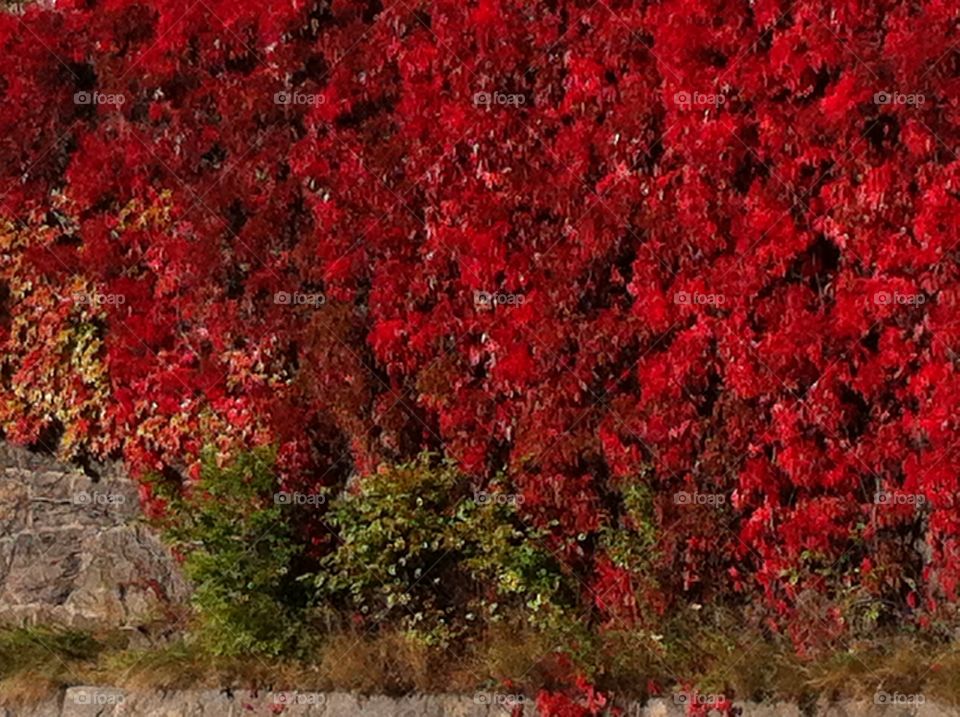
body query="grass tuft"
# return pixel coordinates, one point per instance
(37, 662)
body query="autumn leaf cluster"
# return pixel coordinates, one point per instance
(682, 270)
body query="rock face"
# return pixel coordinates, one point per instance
(109, 702)
(74, 550)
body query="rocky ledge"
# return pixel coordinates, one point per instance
(107, 702)
(74, 550)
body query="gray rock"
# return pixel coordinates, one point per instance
(73, 549)
(188, 703)
(660, 708)
(14, 506)
(51, 708)
(92, 701)
(776, 709)
(41, 567)
(109, 702)
(909, 706)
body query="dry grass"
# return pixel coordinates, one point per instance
(898, 665)
(34, 664)
(27, 688)
(183, 667)
(516, 655)
(390, 663)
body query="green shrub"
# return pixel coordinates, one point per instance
(240, 553)
(417, 551)
(421, 551)
(632, 542)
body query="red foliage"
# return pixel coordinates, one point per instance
(586, 702)
(680, 244)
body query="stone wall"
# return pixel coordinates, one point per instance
(105, 702)
(74, 550)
